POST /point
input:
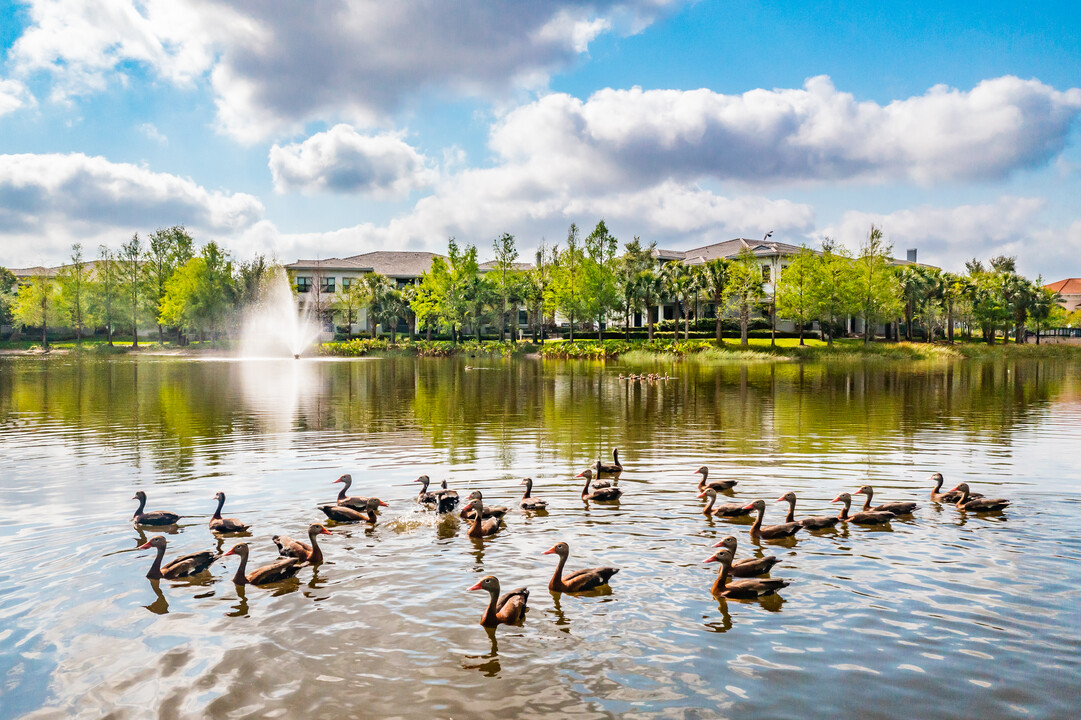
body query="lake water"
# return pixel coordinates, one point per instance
(941, 615)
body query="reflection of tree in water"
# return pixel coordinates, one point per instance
(571, 411)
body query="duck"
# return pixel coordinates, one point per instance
(897, 508)
(717, 485)
(157, 517)
(740, 589)
(579, 580)
(490, 511)
(867, 517)
(748, 567)
(446, 492)
(815, 522)
(282, 569)
(183, 566)
(508, 609)
(612, 468)
(601, 494)
(345, 514)
(950, 496)
(356, 501)
(770, 532)
(980, 504)
(288, 547)
(425, 496)
(482, 526)
(528, 502)
(724, 510)
(597, 482)
(225, 525)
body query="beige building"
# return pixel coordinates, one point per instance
(1070, 291)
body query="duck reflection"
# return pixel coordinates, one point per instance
(725, 623)
(160, 606)
(490, 665)
(562, 622)
(240, 609)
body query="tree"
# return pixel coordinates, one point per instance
(7, 296)
(39, 305)
(74, 289)
(105, 292)
(877, 289)
(832, 288)
(636, 259)
(650, 287)
(167, 249)
(427, 301)
(746, 285)
(200, 296)
(1045, 303)
(793, 293)
(567, 295)
(131, 278)
(379, 290)
(350, 301)
(463, 292)
(505, 276)
(680, 283)
(600, 292)
(717, 279)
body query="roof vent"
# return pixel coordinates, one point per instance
(912, 255)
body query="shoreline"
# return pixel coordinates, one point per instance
(635, 352)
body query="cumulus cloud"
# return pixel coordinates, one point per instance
(344, 161)
(816, 133)
(274, 66)
(49, 201)
(14, 96)
(948, 236)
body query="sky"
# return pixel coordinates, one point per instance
(330, 128)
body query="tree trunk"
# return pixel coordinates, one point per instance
(428, 331)
(773, 323)
(572, 327)
(949, 322)
(600, 332)
(829, 331)
(649, 317)
(744, 318)
(801, 333)
(908, 321)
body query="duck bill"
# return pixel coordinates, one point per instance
(324, 531)
(477, 586)
(956, 489)
(836, 499)
(383, 504)
(720, 544)
(549, 551)
(581, 474)
(701, 495)
(144, 546)
(230, 552)
(781, 499)
(711, 558)
(749, 506)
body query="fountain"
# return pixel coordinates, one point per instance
(273, 327)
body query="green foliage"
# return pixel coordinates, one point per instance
(505, 277)
(75, 291)
(717, 281)
(567, 290)
(878, 291)
(746, 288)
(200, 296)
(794, 290)
(833, 291)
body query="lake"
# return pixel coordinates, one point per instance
(939, 615)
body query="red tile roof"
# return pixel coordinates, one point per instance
(1069, 286)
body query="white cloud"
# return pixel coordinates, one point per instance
(150, 130)
(49, 201)
(344, 161)
(14, 96)
(275, 66)
(948, 236)
(811, 134)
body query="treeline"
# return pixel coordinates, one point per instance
(586, 283)
(165, 282)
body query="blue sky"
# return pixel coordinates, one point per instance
(333, 128)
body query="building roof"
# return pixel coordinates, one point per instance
(329, 264)
(493, 265)
(40, 271)
(727, 249)
(396, 263)
(1069, 286)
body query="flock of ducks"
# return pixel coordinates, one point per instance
(646, 377)
(487, 520)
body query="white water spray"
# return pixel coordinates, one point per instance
(274, 326)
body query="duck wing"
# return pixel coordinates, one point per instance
(731, 510)
(819, 522)
(355, 502)
(533, 504)
(228, 525)
(986, 504)
(288, 547)
(191, 564)
(280, 570)
(158, 517)
(782, 530)
(871, 518)
(588, 579)
(720, 485)
(896, 508)
(608, 493)
(753, 566)
(341, 513)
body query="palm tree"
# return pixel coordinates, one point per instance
(716, 275)
(680, 282)
(650, 286)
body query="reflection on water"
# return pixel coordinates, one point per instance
(933, 613)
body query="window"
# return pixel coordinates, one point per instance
(711, 310)
(326, 285)
(765, 273)
(304, 284)
(347, 282)
(523, 317)
(669, 312)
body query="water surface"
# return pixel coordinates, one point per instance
(938, 616)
